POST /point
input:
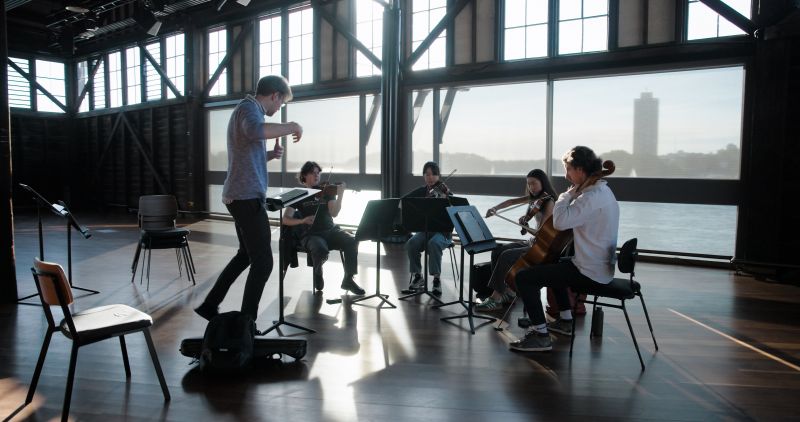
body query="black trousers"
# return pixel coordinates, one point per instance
(559, 276)
(318, 244)
(255, 251)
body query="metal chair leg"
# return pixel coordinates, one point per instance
(574, 312)
(178, 258)
(136, 260)
(125, 357)
(633, 336)
(156, 364)
(136, 256)
(647, 315)
(191, 260)
(39, 364)
(73, 360)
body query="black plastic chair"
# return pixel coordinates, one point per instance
(157, 214)
(621, 289)
(85, 327)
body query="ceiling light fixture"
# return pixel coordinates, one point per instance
(77, 9)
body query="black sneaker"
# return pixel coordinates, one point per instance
(533, 342)
(319, 282)
(437, 286)
(206, 311)
(416, 283)
(561, 326)
(350, 285)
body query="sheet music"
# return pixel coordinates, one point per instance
(473, 230)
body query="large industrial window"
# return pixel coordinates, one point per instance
(133, 73)
(333, 125)
(269, 46)
(706, 23)
(369, 30)
(50, 75)
(511, 136)
(670, 125)
(153, 89)
(19, 89)
(98, 91)
(525, 25)
(683, 124)
(217, 48)
(421, 130)
(175, 62)
(582, 26)
(426, 14)
(82, 76)
(301, 46)
(115, 79)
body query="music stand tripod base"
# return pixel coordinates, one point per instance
(373, 226)
(60, 210)
(475, 238)
(279, 202)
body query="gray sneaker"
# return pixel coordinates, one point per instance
(561, 326)
(416, 283)
(509, 296)
(533, 342)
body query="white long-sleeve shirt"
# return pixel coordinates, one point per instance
(593, 217)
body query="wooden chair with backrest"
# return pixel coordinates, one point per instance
(621, 289)
(85, 327)
(157, 214)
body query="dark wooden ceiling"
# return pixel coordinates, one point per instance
(47, 26)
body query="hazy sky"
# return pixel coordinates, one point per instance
(699, 111)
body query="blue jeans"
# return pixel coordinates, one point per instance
(253, 231)
(436, 244)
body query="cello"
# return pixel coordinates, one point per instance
(551, 243)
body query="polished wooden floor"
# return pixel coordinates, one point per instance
(729, 347)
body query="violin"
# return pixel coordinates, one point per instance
(535, 207)
(550, 243)
(327, 189)
(439, 190)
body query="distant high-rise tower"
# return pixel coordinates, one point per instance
(645, 126)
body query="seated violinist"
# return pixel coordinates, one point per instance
(313, 224)
(540, 197)
(437, 242)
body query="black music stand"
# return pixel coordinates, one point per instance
(427, 215)
(376, 223)
(60, 209)
(277, 202)
(475, 238)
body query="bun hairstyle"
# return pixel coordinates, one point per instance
(583, 158)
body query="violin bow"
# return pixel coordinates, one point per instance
(526, 228)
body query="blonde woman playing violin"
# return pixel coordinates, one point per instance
(540, 196)
(313, 224)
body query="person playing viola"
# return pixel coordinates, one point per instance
(591, 210)
(313, 224)
(540, 196)
(437, 242)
